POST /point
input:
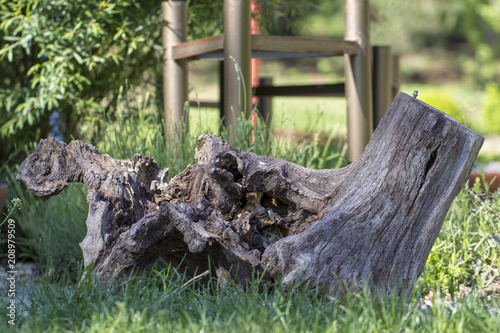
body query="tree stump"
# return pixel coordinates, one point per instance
(234, 212)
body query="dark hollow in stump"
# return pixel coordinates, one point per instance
(373, 221)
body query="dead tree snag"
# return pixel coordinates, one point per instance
(375, 220)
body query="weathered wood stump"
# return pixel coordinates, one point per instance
(373, 221)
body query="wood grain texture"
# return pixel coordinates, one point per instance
(264, 46)
(322, 46)
(373, 221)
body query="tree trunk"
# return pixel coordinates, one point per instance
(234, 212)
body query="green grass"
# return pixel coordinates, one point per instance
(465, 256)
(300, 115)
(323, 115)
(464, 259)
(203, 119)
(166, 302)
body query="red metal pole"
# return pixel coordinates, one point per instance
(254, 30)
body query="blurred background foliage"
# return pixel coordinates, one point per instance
(65, 64)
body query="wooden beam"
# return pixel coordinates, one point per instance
(237, 63)
(265, 104)
(196, 49)
(200, 104)
(395, 75)
(321, 47)
(319, 90)
(267, 47)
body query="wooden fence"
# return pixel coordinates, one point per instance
(371, 72)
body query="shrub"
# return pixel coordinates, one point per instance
(491, 108)
(443, 101)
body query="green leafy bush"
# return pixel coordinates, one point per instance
(66, 63)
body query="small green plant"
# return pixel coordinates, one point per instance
(465, 255)
(49, 232)
(16, 205)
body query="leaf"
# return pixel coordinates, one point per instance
(77, 26)
(77, 57)
(98, 59)
(33, 68)
(11, 38)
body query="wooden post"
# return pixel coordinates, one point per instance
(221, 92)
(382, 77)
(395, 75)
(175, 84)
(265, 105)
(358, 78)
(237, 55)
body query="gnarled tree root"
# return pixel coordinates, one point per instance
(373, 221)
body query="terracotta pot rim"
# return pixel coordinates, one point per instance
(486, 173)
(486, 177)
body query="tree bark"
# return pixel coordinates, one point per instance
(234, 212)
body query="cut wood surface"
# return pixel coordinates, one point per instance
(234, 212)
